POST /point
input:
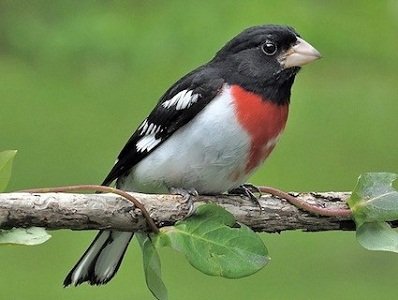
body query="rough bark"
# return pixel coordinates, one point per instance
(100, 211)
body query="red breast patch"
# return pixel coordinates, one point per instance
(263, 120)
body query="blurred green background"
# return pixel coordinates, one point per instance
(77, 77)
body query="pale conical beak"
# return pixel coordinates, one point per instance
(300, 54)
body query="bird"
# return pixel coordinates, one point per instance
(208, 132)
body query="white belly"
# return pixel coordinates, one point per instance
(208, 154)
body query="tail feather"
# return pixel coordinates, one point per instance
(101, 260)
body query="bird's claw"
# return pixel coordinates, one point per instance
(249, 191)
(188, 197)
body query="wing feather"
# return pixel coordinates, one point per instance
(179, 105)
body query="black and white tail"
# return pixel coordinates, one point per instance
(101, 260)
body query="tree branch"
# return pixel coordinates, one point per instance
(110, 211)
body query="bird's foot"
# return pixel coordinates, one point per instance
(249, 191)
(188, 197)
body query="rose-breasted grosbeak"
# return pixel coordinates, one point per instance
(207, 133)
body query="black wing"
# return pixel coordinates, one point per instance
(179, 105)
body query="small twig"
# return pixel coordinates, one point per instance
(299, 203)
(100, 188)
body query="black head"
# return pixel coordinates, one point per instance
(265, 59)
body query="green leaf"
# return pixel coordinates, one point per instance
(215, 244)
(24, 236)
(152, 268)
(378, 236)
(374, 199)
(6, 159)
(373, 202)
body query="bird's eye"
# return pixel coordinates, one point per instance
(269, 48)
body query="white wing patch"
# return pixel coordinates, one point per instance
(150, 127)
(147, 128)
(144, 126)
(182, 100)
(147, 142)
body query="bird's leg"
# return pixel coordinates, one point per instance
(188, 196)
(247, 190)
